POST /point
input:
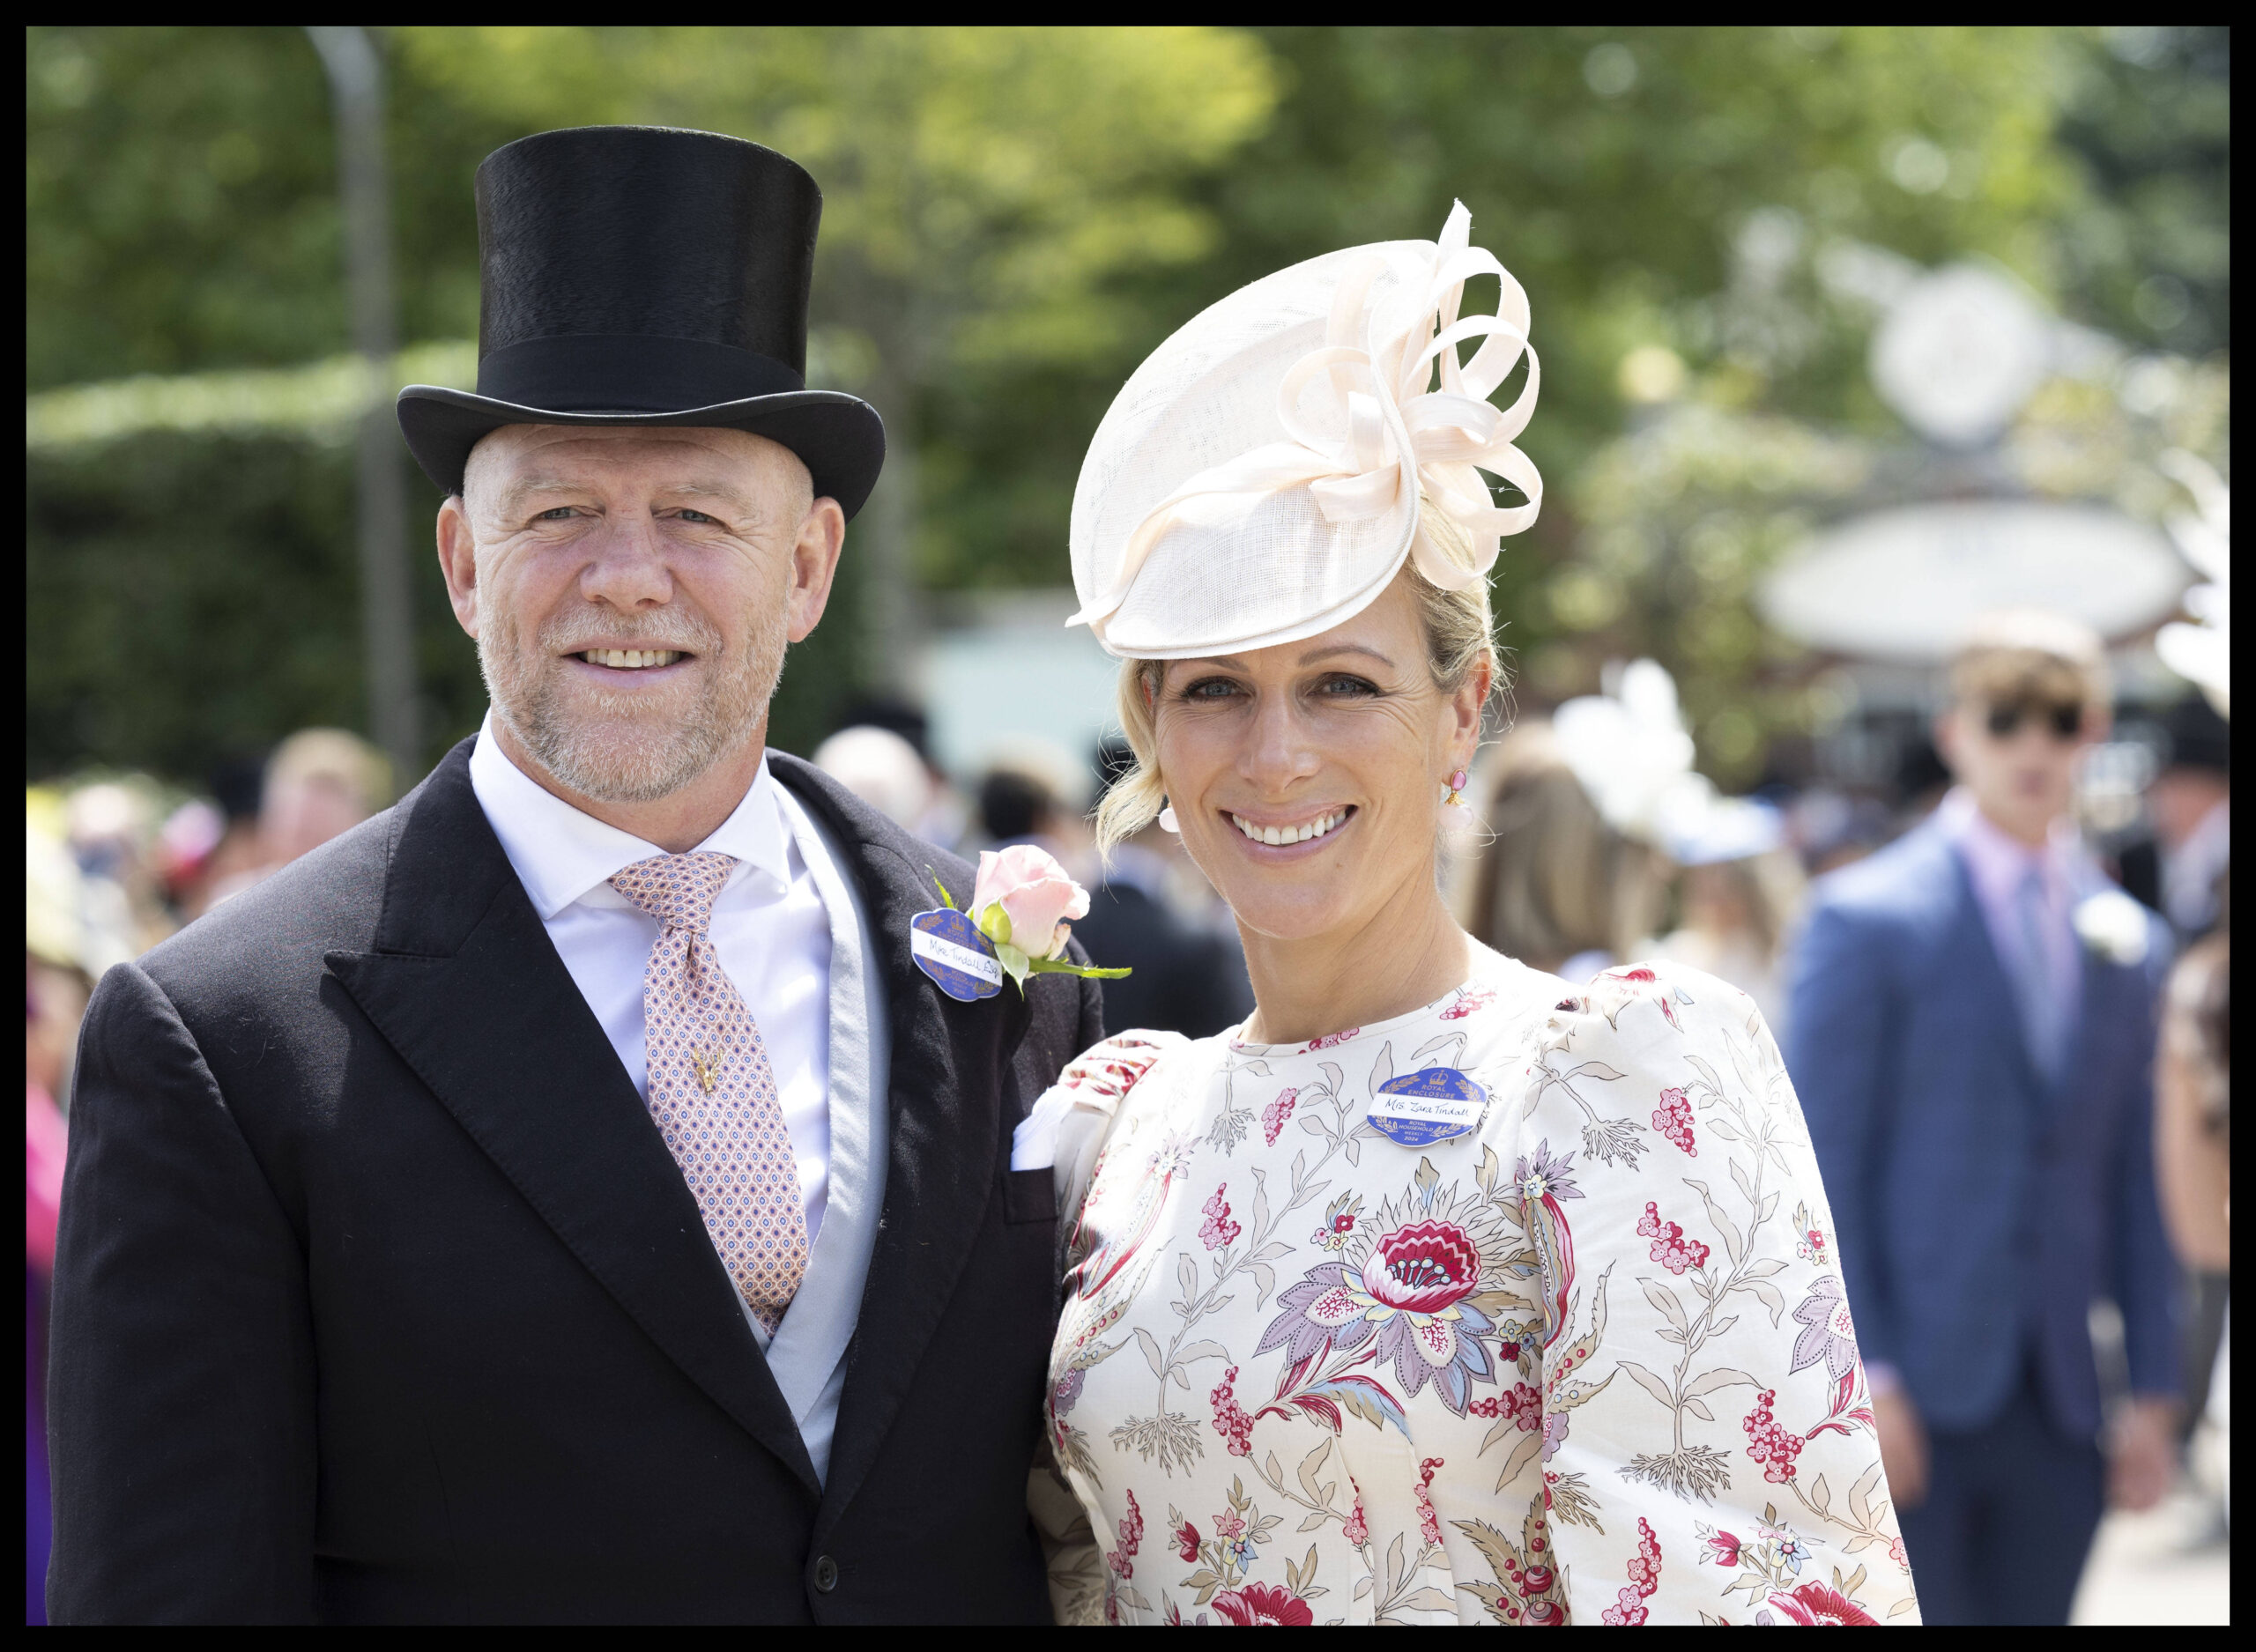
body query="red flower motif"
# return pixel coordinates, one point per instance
(1186, 1542)
(1230, 1420)
(1422, 1269)
(1132, 1539)
(1818, 1603)
(1672, 1119)
(1631, 974)
(1770, 1445)
(1723, 1549)
(1644, 1578)
(1274, 1115)
(1670, 1248)
(1219, 1230)
(1521, 1404)
(1264, 1604)
(1428, 1525)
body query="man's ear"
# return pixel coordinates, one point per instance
(814, 567)
(458, 562)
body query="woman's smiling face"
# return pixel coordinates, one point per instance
(1307, 778)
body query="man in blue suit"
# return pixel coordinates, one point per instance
(1973, 1037)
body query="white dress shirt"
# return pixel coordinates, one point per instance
(771, 929)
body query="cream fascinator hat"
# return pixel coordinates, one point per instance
(1257, 480)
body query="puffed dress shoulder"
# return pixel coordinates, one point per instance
(1588, 1361)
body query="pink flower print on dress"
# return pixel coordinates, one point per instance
(1356, 1529)
(1414, 1293)
(1338, 1222)
(1218, 1230)
(1670, 1248)
(1186, 1542)
(1468, 1002)
(1122, 1560)
(1816, 1603)
(1768, 1443)
(1274, 1115)
(1329, 1040)
(1428, 1525)
(1644, 1578)
(1521, 1406)
(1810, 1238)
(1230, 1420)
(1672, 1119)
(1263, 1604)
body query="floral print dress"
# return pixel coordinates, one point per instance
(1589, 1361)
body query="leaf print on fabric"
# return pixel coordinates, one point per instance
(1606, 1140)
(1528, 1586)
(1446, 1318)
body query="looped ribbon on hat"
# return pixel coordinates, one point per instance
(1401, 437)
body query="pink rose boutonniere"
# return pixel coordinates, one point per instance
(1021, 902)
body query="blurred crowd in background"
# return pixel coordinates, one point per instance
(1850, 335)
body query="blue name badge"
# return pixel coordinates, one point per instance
(949, 947)
(1430, 1105)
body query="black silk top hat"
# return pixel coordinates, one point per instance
(632, 275)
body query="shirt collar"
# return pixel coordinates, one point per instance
(1998, 861)
(561, 853)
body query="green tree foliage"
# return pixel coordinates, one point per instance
(1013, 218)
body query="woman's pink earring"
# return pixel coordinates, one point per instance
(1456, 799)
(1167, 822)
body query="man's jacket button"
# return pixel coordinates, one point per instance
(826, 1575)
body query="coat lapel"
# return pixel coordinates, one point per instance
(949, 1064)
(465, 985)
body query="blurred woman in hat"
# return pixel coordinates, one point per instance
(1441, 1290)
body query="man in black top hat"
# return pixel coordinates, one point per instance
(406, 1273)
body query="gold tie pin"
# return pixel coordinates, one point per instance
(708, 1068)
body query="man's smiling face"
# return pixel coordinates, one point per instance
(631, 592)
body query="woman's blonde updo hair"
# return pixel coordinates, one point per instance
(1459, 635)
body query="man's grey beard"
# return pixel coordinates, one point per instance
(609, 753)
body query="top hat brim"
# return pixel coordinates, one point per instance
(839, 438)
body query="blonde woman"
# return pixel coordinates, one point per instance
(1441, 1290)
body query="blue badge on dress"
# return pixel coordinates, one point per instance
(949, 947)
(1420, 1109)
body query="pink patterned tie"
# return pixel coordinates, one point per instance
(712, 1091)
